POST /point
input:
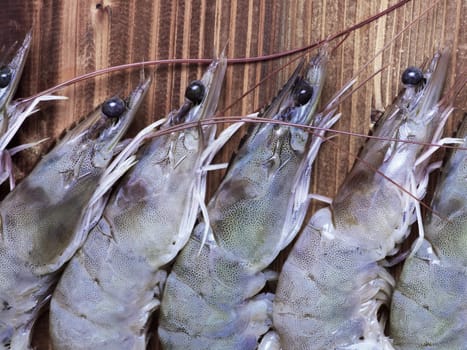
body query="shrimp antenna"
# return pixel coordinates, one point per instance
(345, 34)
(208, 60)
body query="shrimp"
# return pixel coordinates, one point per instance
(107, 292)
(428, 308)
(334, 282)
(43, 220)
(210, 299)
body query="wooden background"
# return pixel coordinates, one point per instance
(72, 37)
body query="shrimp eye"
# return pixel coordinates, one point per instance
(412, 76)
(303, 94)
(5, 77)
(113, 107)
(195, 92)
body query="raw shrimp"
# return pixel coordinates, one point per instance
(210, 299)
(333, 284)
(43, 220)
(108, 291)
(429, 304)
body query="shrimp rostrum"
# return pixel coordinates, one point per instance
(43, 218)
(109, 289)
(211, 298)
(10, 75)
(334, 282)
(14, 113)
(429, 305)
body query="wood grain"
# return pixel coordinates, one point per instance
(71, 38)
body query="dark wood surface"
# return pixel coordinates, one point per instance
(73, 37)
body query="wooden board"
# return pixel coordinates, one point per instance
(72, 37)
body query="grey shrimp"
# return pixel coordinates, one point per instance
(45, 218)
(210, 299)
(333, 283)
(429, 304)
(108, 291)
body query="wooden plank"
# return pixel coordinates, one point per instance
(76, 37)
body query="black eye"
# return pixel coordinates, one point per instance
(5, 77)
(304, 93)
(412, 76)
(195, 92)
(113, 107)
